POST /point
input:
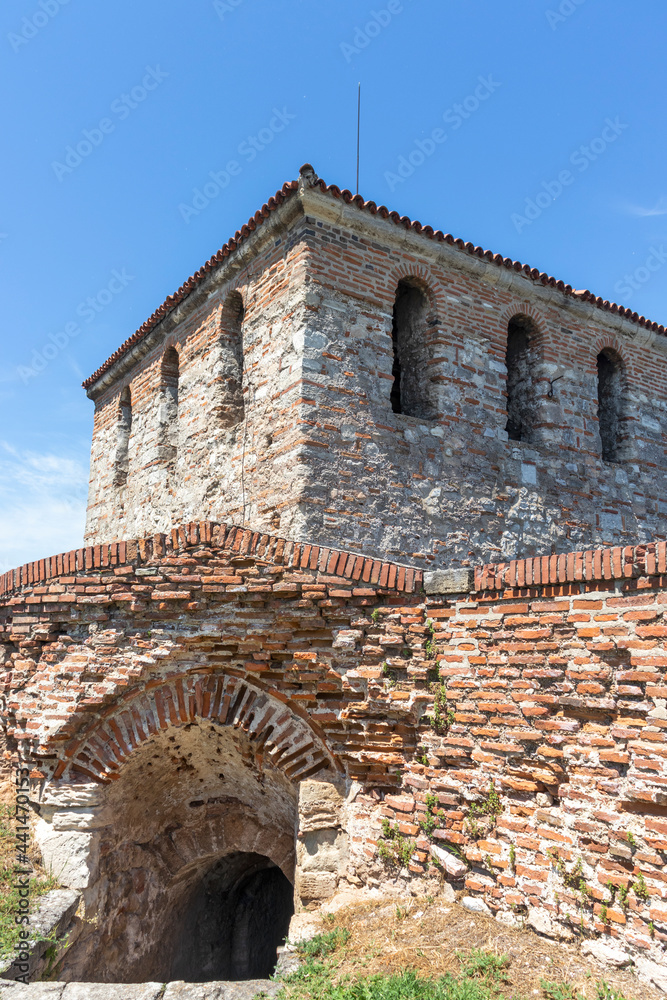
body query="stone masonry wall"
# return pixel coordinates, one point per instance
(320, 452)
(226, 449)
(516, 715)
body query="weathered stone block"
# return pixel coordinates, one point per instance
(541, 921)
(608, 954)
(323, 850)
(35, 991)
(320, 805)
(113, 991)
(304, 927)
(245, 990)
(452, 865)
(70, 855)
(315, 886)
(475, 905)
(653, 973)
(448, 581)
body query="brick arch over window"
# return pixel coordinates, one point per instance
(228, 391)
(430, 285)
(616, 347)
(274, 728)
(414, 323)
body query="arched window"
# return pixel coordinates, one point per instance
(411, 390)
(520, 363)
(611, 404)
(168, 412)
(228, 393)
(123, 431)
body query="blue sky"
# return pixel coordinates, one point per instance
(534, 128)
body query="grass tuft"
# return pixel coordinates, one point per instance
(481, 974)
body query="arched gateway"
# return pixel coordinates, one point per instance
(176, 812)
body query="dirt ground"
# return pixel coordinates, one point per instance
(425, 935)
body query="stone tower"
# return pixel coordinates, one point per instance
(339, 373)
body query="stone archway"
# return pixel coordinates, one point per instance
(177, 814)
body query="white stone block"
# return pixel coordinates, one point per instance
(452, 865)
(475, 905)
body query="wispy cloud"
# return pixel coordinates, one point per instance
(42, 505)
(660, 208)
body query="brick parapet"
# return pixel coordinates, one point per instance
(623, 563)
(636, 565)
(238, 541)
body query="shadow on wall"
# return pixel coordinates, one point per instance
(236, 917)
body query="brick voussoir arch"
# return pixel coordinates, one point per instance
(520, 308)
(608, 342)
(274, 726)
(426, 280)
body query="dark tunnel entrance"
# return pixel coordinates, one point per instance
(233, 921)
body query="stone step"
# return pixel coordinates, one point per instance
(244, 990)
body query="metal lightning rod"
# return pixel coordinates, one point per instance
(358, 132)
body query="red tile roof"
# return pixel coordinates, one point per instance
(287, 190)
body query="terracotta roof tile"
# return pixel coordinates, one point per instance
(287, 190)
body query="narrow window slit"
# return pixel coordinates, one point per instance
(411, 389)
(123, 432)
(229, 405)
(611, 404)
(519, 361)
(168, 413)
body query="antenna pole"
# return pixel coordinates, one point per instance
(358, 132)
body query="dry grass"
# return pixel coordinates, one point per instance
(426, 935)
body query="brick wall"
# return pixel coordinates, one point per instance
(553, 670)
